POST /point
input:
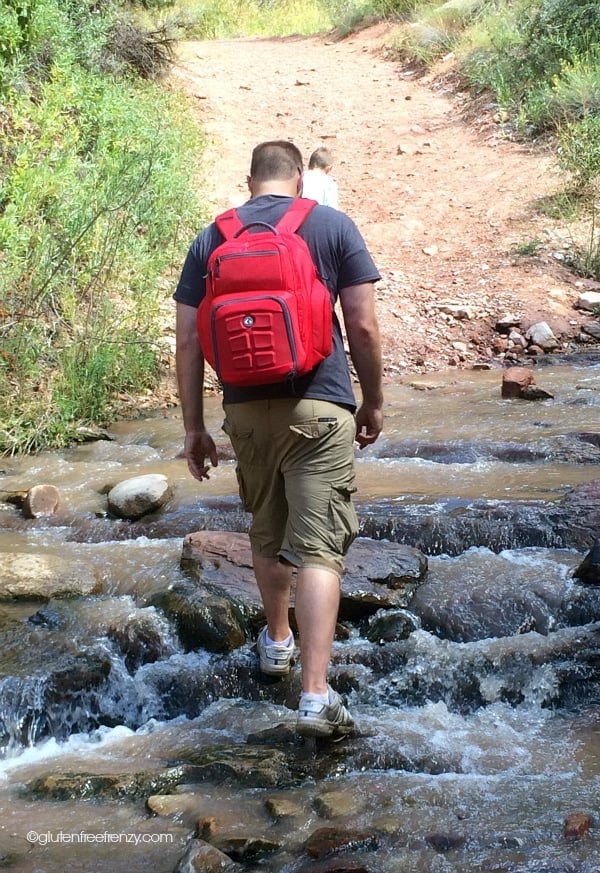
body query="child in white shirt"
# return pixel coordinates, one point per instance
(317, 184)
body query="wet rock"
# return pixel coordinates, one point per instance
(138, 496)
(376, 575)
(282, 807)
(562, 448)
(325, 841)
(200, 857)
(203, 620)
(26, 576)
(577, 825)
(444, 842)
(451, 528)
(281, 736)
(515, 380)
(41, 501)
(534, 392)
(55, 704)
(46, 617)
(80, 673)
(577, 519)
(479, 611)
(221, 561)
(396, 566)
(388, 626)
(206, 827)
(86, 786)
(512, 662)
(172, 804)
(588, 572)
(243, 765)
(379, 574)
(331, 804)
(246, 849)
(336, 865)
(92, 434)
(139, 641)
(588, 437)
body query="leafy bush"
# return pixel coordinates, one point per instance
(579, 150)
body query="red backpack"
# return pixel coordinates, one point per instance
(266, 316)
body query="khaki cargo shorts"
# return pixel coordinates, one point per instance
(295, 470)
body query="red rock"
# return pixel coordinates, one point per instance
(41, 501)
(577, 825)
(514, 380)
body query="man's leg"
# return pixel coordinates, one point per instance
(274, 582)
(317, 603)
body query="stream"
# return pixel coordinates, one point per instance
(479, 732)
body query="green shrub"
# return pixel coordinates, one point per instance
(579, 150)
(95, 206)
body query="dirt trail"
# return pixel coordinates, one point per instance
(441, 202)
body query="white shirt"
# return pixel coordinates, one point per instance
(319, 186)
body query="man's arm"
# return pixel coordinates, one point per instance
(199, 445)
(362, 330)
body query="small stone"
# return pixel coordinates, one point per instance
(577, 825)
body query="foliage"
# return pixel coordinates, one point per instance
(214, 19)
(94, 207)
(579, 150)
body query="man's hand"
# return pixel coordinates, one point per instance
(199, 447)
(369, 423)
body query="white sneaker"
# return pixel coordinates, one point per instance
(275, 659)
(316, 719)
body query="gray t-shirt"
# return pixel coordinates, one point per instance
(342, 261)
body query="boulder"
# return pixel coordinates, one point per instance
(588, 572)
(515, 380)
(40, 577)
(136, 497)
(588, 300)
(377, 575)
(41, 501)
(541, 334)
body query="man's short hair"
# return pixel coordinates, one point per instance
(320, 159)
(275, 159)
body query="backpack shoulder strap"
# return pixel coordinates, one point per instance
(228, 223)
(294, 217)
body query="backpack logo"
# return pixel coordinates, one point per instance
(266, 316)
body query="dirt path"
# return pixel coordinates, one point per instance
(442, 203)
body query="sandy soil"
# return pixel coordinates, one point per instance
(440, 193)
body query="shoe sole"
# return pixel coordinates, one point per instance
(275, 671)
(308, 728)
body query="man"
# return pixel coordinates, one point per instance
(294, 440)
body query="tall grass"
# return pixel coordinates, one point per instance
(95, 205)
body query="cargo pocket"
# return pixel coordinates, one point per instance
(243, 448)
(314, 428)
(342, 515)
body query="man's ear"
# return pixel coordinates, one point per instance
(249, 183)
(299, 185)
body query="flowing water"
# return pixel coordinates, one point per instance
(457, 781)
